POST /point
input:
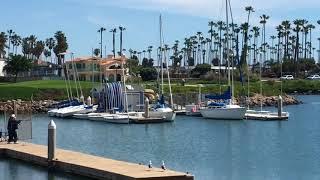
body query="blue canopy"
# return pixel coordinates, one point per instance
(217, 104)
(226, 95)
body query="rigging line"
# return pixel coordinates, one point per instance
(78, 79)
(74, 74)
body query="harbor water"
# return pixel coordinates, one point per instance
(209, 149)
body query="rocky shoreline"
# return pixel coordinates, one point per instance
(257, 100)
(43, 106)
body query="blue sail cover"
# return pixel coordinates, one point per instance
(225, 96)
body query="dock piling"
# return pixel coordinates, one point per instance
(280, 103)
(51, 141)
(146, 108)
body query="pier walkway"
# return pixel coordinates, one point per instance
(88, 165)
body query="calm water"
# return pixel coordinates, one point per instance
(211, 150)
(17, 170)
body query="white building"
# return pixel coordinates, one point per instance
(2, 64)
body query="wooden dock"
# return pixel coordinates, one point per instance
(88, 165)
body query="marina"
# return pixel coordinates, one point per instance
(207, 149)
(159, 90)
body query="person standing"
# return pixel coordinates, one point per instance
(12, 129)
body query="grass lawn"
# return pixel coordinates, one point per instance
(55, 89)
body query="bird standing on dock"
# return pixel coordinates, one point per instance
(150, 164)
(163, 166)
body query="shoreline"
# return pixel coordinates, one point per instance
(42, 106)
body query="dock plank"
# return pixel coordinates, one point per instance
(88, 165)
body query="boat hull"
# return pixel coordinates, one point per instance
(167, 114)
(224, 113)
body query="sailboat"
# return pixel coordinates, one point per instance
(267, 115)
(72, 106)
(161, 109)
(226, 110)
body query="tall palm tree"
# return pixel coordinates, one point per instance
(121, 31)
(286, 32)
(149, 51)
(211, 32)
(16, 41)
(297, 29)
(250, 10)
(310, 26)
(101, 31)
(263, 21)
(50, 43)
(32, 41)
(10, 33)
(256, 33)
(60, 47)
(3, 46)
(113, 31)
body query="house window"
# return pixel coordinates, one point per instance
(78, 66)
(70, 66)
(83, 66)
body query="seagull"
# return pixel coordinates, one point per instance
(150, 164)
(163, 166)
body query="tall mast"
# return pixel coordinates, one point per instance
(161, 57)
(227, 50)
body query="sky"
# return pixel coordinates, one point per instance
(80, 19)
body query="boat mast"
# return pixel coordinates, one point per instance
(161, 53)
(227, 49)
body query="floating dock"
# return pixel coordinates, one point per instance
(145, 120)
(87, 165)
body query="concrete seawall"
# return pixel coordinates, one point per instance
(88, 165)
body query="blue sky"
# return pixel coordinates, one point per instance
(80, 19)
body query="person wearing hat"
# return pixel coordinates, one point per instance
(12, 129)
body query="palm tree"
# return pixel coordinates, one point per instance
(16, 41)
(3, 46)
(101, 31)
(149, 51)
(250, 10)
(113, 31)
(32, 41)
(10, 33)
(310, 26)
(38, 49)
(297, 29)
(50, 43)
(263, 21)
(60, 47)
(96, 52)
(121, 30)
(211, 32)
(256, 33)
(286, 32)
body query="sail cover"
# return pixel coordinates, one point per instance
(226, 95)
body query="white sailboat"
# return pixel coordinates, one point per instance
(162, 110)
(228, 110)
(267, 115)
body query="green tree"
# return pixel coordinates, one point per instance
(16, 64)
(50, 43)
(60, 47)
(148, 73)
(38, 49)
(201, 69)
(3, 46)
(96, 52)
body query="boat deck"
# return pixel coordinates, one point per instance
(88, 165)
(265, 117)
